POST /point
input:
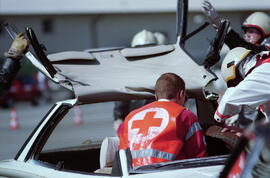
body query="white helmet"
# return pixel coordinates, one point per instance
(161, 38)
(230, 63)
(142, 38)
(260, 21)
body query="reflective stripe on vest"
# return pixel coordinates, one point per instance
(192, 130)
(152, 153)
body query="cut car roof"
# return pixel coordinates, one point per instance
(128, 73)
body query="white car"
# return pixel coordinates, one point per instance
(95, 76)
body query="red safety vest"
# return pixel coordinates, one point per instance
(266, 60)
(151, 133)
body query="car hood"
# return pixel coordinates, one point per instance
(125, 73)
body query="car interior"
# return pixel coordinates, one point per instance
(98, 157)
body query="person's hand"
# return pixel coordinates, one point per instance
(236, 130)
(17, 47)
(232, 121)
(211, 14)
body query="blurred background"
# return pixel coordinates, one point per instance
(64, 25)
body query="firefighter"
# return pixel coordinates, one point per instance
(256, 29)
(246, 74)
(11, 64)
(122, 108)
(149, 130)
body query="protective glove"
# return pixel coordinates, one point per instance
(17, 47)
(232, 121)
(211, 14)
(228, 121)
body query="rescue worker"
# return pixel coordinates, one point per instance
(246, 74)
(11, 64)
(256, 29)
(163, 130)
(122, 108)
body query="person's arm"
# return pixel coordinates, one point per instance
(121, 133)
(233, 40)
(8, 71)
(11, 65)
(192, 134)
(252, 91)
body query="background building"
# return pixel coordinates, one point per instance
(82, 24)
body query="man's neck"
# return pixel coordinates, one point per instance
(164, 100)
(170, 100)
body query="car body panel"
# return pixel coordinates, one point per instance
(14, 168)
(25, 169)
(206, 172)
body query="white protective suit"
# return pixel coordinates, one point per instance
(253, 91)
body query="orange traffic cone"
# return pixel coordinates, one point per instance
(77, 120)
(14, 123)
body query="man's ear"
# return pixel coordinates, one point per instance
(182, 93)
(181, 97)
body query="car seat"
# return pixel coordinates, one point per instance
(108, 149)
